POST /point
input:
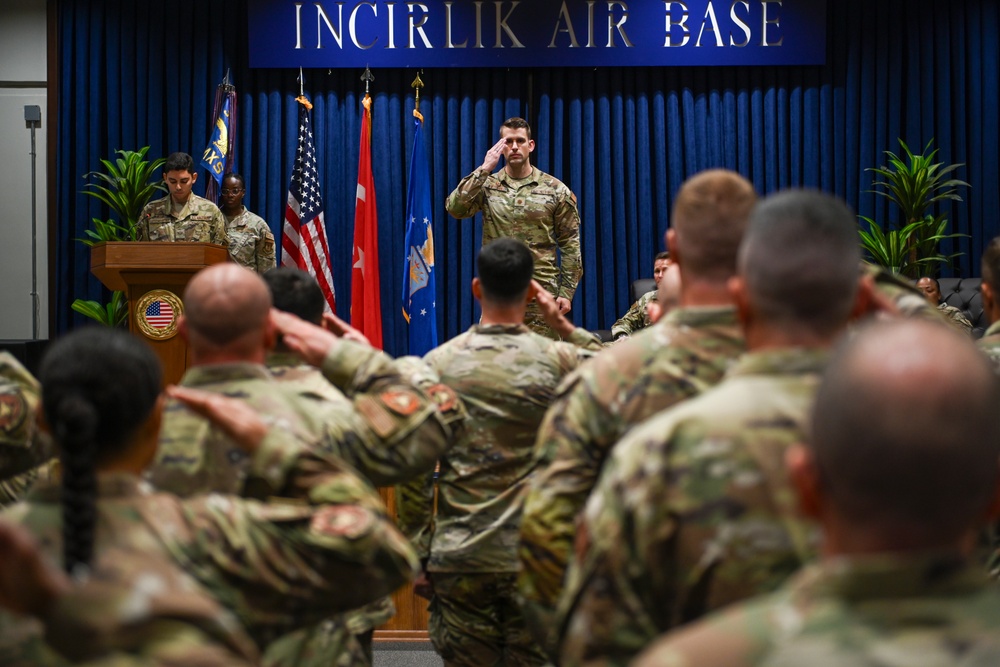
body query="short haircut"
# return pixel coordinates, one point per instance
(990, 266)
(225, 304)
(799, 260)
(505, 270)
(234, 175)
(906, 431)
(710, 215)
(932, 279)
(178, 162)
(516, 123)
(662, 255)
(295, 291)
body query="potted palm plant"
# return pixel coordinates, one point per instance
(915, 184)
(126, 185)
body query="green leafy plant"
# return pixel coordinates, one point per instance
(112, 314)
(914, 183)
(892, 249)
(126, 185)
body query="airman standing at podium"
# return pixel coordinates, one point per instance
(182, 215)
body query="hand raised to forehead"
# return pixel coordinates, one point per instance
(493, 155)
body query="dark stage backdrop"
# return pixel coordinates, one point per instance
(132, 74)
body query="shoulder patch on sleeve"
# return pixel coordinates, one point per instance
(13, 413)
(444, 396)
(341, 521)
(374, 412)
(401, 401)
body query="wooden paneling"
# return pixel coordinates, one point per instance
(410, 621)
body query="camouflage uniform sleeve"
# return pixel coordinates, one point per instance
(142, 225)
(133, 611)
(265, 255)
(219, 234)
(284, 564)
(608, 610)
(415, 498)
(403, 414)
(585, 340)
(738, 636)
(569, 451)
(631, 321)
(415, 512)
(24, 451)
(567, 231)
(957, 319)
(467, 198)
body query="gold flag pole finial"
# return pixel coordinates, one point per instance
(417, 84)
(367, 77)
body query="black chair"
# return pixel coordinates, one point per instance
(641, 286)
(963, 293)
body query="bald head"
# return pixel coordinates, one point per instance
(906, 431)
(226, 306)
(799, 261)
(710, 215)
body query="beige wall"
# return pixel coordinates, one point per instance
(22, 82)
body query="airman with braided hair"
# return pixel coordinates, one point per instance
(276, 566)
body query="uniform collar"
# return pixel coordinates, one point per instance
(883, 576)
(212, 373)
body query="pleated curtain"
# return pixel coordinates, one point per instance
(623, 139)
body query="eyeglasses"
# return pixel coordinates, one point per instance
(231, 192)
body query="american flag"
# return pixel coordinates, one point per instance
(303, 242)
(159, 314)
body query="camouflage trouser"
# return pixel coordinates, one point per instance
(476, 622)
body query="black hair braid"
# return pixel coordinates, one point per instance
(76, 431)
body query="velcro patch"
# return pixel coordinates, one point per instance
(13, 412)
(376, 415)
(401, 401)
(341, 521)
(444, 396)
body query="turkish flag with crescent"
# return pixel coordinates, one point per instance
(366, 306)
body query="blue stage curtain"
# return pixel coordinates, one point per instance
(135, 74)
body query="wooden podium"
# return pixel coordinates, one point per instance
(153, 276)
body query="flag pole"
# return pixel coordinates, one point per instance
(417, 84)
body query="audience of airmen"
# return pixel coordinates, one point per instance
(716, 489)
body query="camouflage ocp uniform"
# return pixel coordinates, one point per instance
(956, 318)
(277, 566)
(385, 424)
(990, 344)
(924, 609)
(313, 389)
(25, 453)
(251, 243)
(694, 510)
(390, 430)
(200, 221)
(682, 355)
(506, 376)
(636, 318)
(116, 618)
(538, 210)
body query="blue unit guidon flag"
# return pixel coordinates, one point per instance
(419, 290)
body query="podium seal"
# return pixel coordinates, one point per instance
(157, 313)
